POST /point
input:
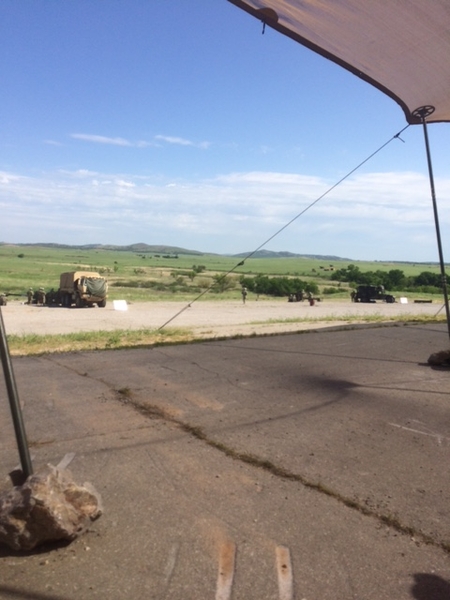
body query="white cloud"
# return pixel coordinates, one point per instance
(7, 178)
(119, 141)
(80, 173)
(179, 141)
(372, 215)
(112, 141)
(126, 184)
(100, 139)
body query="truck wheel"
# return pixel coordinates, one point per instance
(78, 301)
(101, 304)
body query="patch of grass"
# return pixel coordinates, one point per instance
(357, 319)
(38, 443)
(31, 344)
(125, 391)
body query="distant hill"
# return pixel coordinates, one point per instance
(270, 254)
(161, 249)
(140, 248)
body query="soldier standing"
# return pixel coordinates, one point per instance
(244, 293)
(40, 297)
(30, 295)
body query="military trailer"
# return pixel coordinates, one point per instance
(372, 293)
(82, 288)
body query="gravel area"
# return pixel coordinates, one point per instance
(207, 319)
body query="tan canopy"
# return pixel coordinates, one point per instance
(400, 46)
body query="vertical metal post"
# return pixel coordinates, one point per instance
(25, 460)
(422, 113)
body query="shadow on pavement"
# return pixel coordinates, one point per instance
(23, 594)
(430, 587)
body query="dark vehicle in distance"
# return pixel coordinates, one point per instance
(372, 293)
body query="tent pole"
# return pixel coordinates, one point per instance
(27, 468)
(422, 113)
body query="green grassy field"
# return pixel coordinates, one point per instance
(148, 277)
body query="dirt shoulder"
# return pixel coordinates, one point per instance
(207, 319)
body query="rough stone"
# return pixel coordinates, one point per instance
(48, 507)
(441, 358)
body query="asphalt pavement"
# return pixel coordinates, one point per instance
(311, 466)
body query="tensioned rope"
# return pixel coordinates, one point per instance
(285, 226)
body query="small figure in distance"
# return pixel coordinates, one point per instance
(244, 293)
(40, 296)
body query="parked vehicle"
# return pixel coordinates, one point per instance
(82, 288)
(372, 293)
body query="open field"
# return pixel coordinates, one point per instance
(150, 276)
(157, 287)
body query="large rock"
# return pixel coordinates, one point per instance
(440, 359)
(48, 507)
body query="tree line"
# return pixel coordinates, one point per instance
(277, 286)
(394, 279)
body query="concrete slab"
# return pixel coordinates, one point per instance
(300, 466)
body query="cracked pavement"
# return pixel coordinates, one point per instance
(308, 466)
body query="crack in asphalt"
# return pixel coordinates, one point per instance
(125, 396)
(391, 521)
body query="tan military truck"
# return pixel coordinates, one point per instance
(82, 288)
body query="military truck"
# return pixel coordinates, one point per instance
(372, 293)
(82, 288)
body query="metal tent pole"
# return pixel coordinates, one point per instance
(25, 460)
(422, 113)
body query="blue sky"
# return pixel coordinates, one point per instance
(179, 123)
